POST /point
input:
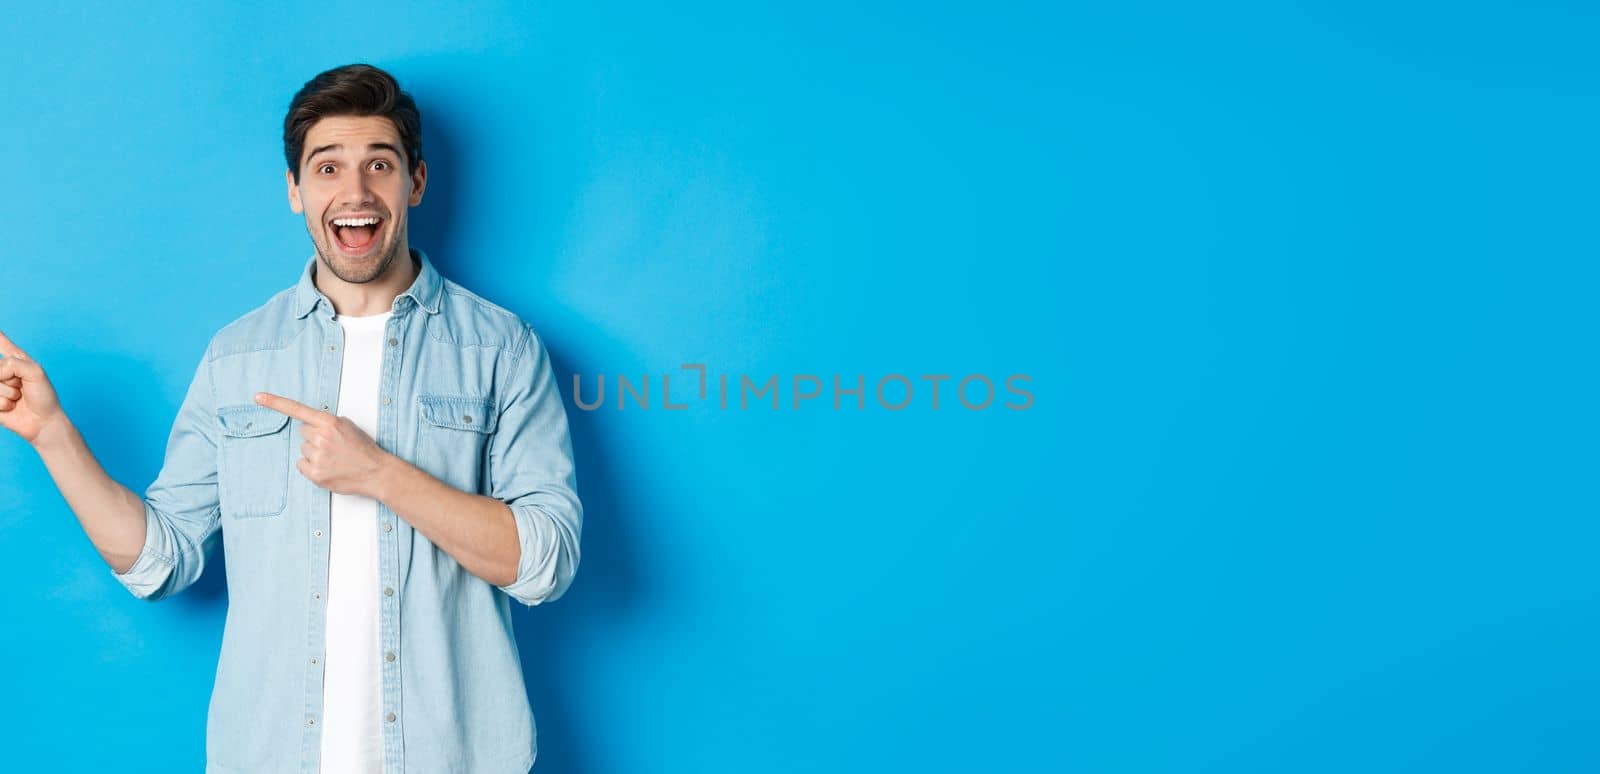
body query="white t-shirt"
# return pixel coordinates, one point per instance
(352, 678)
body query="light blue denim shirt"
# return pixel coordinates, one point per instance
(468, 395)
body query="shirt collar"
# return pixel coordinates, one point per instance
(424, 291)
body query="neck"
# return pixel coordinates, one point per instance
(351, 299)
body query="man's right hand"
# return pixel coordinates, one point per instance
(28, 402)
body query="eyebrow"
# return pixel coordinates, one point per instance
(371, 147)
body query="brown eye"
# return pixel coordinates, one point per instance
(384, 164)
(324, 167)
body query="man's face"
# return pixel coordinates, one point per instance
(352, 171)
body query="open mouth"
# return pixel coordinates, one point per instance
(356, 235)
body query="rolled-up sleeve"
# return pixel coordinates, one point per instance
(531, 470)
(181, 508)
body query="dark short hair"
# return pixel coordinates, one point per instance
(351, 90)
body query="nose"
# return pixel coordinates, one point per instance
(354, 193)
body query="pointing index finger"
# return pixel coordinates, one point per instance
(291, 407)
(8, 348)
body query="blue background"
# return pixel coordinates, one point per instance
(1306, 293)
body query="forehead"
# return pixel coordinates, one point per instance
(355, 133)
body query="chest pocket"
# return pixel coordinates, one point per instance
(453, 436)
(253, 464)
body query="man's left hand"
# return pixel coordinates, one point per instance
(338, 455)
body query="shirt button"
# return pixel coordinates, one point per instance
(311, 721)
(316, 595)
(313, 659)
(388, 591)
(324, 407)
(318, 532)
(331, 347)
(385, 400)
(388, 656)
(389, 717)
(394, 342)
(387, 526)
(467, 418)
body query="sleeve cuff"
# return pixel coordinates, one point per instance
(150, 570)
(536, 568)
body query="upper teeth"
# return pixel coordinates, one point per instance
(355, 221)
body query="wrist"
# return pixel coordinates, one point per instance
(384, 481)
(54, 434)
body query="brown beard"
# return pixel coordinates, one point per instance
(330, 259)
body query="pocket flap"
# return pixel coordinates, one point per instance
(247, 420)
(462, 412)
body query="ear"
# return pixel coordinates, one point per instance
(294, 192)
(419, 181)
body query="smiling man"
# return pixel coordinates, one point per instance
(385, 457)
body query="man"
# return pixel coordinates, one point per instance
(386, 459)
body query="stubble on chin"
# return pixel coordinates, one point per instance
(352, 274)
